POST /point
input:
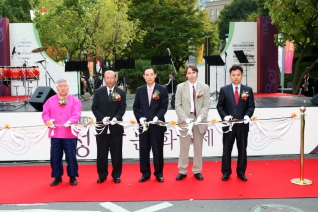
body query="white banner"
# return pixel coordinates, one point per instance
(270, 137)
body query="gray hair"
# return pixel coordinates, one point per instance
(61, 80)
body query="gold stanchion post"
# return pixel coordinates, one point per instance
(301, 180)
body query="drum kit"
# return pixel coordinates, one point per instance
(24, 73)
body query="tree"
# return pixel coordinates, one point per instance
(236, 11)
(174, 24)
(89, 27)
(297, 23)
(17, 11)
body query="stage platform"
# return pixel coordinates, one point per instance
(266, 100)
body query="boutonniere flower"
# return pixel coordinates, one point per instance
(62, 101)
(116, 97)
(200, 95)
(244, 95)
(156, 95)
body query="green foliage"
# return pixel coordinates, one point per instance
(236, 11)
(96, 28)
(174, 24)
(297, 23)
(17, 11)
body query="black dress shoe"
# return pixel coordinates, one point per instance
(242, 177)
(143, 179)
(73, 181)
(160, 179)
(100, 180)
(225, 177)
(198, 176)
(180, 176)
(56, 181)
(117, 180)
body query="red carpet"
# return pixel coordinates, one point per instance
(266, 95)
(266, 179)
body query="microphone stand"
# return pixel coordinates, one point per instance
(137, 56)
(171, 61)
(225, 69)
(46, 72)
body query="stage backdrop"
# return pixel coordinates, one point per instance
(24, 37)
(242, 37)
(267, 137)
(267, 51)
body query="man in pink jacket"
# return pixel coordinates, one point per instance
(59, 112)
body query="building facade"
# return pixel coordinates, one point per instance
(214, 7)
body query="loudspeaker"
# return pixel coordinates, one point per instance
(40, 95)
(314, 100)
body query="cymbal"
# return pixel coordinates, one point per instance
(39, 49)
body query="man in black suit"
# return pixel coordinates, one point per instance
(171, 85)
(307, 84)
(151, 103)
(109, 103)
(235, 101)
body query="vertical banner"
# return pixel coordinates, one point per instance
(4, 42)
(289, 55)
(267, 51)
(5, 89)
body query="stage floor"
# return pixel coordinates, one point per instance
(261, 101)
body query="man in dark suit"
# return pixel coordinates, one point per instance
(307, 84)
(109, 103)
(235, 101)
(171, 85)
(151, 103)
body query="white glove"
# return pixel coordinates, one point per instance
(105, 120)
(142, 120)
(113, 121)
(51, 123)
(246, 119)
(155, 119)
(198, 120)
(188, 121)
(67, 124)
(228, 118)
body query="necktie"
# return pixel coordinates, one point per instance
(193, 96)
(149, 95)
(236, 95)
(110, 95)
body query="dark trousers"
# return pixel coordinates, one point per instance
(114, 144)
(58, 145)
(148, 141)
(241, 143)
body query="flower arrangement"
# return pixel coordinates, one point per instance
(173, 123)
(254, 118)
(293, 115)
(200, 95)
(244, 95)
(116, 97)
(132, 121)
(213, 121)
(6, 126)
(156, 95)
(62, 101)
(90, 121)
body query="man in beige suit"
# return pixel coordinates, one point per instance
(192, 105)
